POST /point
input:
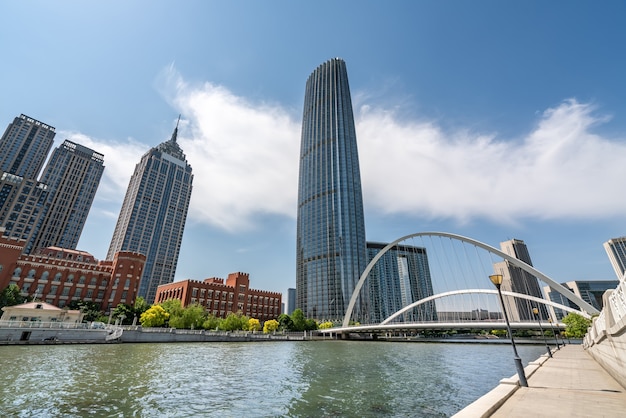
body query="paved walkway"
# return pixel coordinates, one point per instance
(571, 384)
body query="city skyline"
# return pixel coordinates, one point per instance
(493, 121)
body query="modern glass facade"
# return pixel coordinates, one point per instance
(616, 250)
(519, 281)
(153, 215)
(331, 247)
(591, 291)
(72, 174)
(24, 146)
(400, 277)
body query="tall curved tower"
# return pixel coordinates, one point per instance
(331, 246)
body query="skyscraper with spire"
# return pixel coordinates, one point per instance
(153, 214)
(331, 246)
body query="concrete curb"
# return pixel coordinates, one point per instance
(489, 403)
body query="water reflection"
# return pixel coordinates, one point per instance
(263, 379)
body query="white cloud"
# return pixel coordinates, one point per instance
(245, 162)
(560, 169)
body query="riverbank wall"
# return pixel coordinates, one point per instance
(606, 338)
(50, 333)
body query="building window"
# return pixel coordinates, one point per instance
(31, 274)
(69, 279)
(93, 281)
(127, 284)
(17, 272)
(82, 280)
(45, 275)
(66, 291)
(57, 277)
(77, 293)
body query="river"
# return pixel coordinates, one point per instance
(252, 379)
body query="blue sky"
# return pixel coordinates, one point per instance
(490, 119)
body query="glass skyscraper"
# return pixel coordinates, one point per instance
(514, 279)
(616, 250)
(24, 146)
(72, 175)
(331, 246)
(400, 277)
(153, 215)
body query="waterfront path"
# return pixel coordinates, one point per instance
(571, 384)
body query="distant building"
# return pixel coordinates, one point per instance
(330, 239)
(221, 298)
(59, 276)
(23, 204)
(291, 301)
(38, 311)
(153, 215)
(24, 146)
(514, 279)
(399, 278)
(616, 250)
(590, 291)
(72, 175)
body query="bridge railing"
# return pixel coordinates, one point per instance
(612, 319)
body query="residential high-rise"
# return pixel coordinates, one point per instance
(72, 174)
(616, 250)
(24, 146)
(23, 204)
(514, 279)
(331, 247)
(153, 214)
(400, 277)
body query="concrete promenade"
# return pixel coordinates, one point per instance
(571, 384)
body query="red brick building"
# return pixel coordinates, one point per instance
(59, 276)
(221, 298)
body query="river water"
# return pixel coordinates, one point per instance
(253, 379)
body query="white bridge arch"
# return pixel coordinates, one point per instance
(584, 306)
(484, 291)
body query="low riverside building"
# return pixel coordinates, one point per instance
(40, 312)
(221, 298)
(59, 276)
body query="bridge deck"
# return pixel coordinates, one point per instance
(571, 384)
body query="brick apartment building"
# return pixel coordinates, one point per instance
(221, 298)
(59, 276)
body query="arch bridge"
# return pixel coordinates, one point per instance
(456, 281)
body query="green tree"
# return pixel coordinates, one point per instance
(11, 296)
(91, 310)
(124, 312)
(576, 325)
(310, 325)
(154, 317)
(173, 307)
(285, 322)
(191, 317)
(299, 321)
(270, 326)
(499, 332)
(140, 306)
(211, 322)
(234, 322)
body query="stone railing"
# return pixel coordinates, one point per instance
(606, 338)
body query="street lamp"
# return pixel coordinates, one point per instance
(536, 312)
(558, 347)
(496, 279)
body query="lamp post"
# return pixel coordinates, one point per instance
(536, 313)
(496, 279)
(558, 347)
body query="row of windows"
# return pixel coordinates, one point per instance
(57, 277)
